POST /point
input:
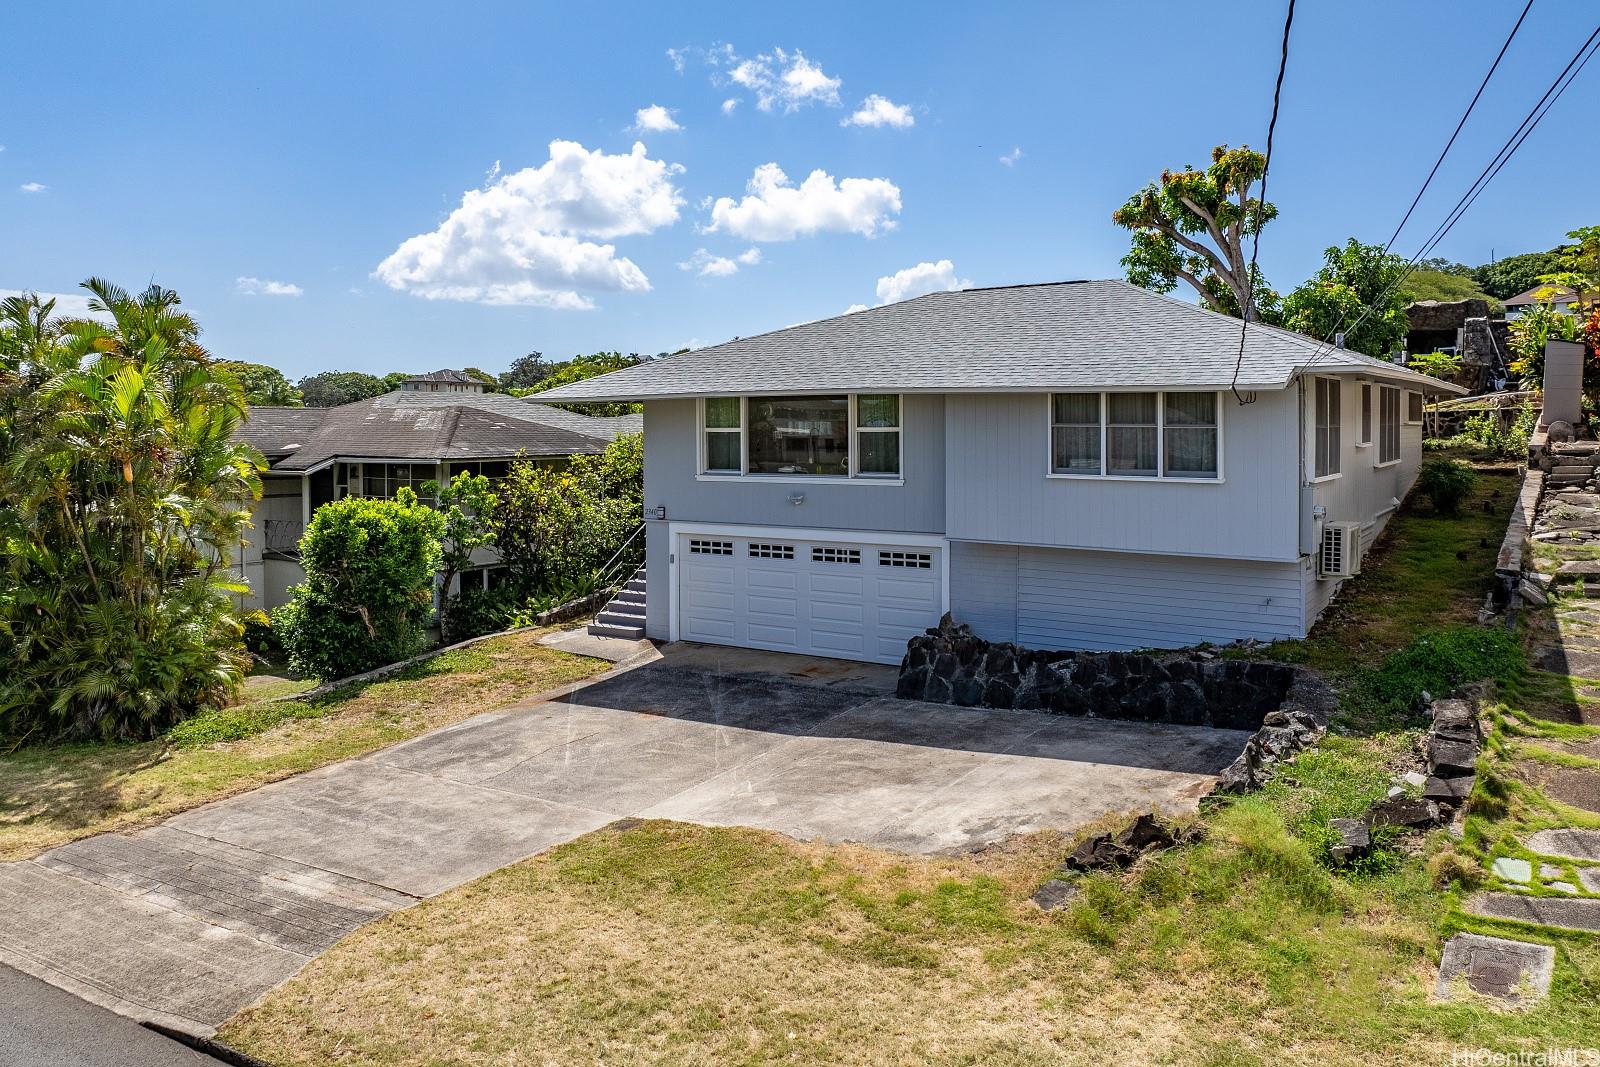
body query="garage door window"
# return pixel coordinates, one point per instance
(835, 555)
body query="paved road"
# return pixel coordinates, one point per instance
(41, 1026)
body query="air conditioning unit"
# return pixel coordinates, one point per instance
(1340, 554)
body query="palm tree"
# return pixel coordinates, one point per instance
(123, 495)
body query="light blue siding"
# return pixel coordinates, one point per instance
(996, 488)
(657, 573)
(983, 588)
(671, 431)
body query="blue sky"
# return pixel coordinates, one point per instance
(271, 162)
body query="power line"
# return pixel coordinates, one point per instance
(1464, 116)
(1568, 74)
(1255, 238)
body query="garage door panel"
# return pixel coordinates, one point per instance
(832, 598)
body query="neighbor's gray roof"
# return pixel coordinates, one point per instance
(431, 426)
(1060, 335)
(458, 377)
(1531, 296)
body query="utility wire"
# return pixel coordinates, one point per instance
(1568, 74)
(1255, 238)
(1464, 116)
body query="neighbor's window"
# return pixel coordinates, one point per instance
(1327, 427)
(1190, 423)
(1388, 425)
(1075, 433)
(383, 480)
(724, 435)
(878, 435)
(1366, 415)
(1135, 435)
(804, 435)
(1413, 407)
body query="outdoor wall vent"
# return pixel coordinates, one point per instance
(1340, 554)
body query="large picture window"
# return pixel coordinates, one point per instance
(1135, 435)
(1388, 426)
(847, 437)
(1326, 400)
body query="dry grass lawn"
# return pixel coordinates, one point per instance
(50, 795)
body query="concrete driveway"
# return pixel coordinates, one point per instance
(189, 921)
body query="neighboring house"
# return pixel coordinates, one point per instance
(1061, 465)
(1558, 297)
(373, 447)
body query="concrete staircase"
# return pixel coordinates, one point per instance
(623, 615)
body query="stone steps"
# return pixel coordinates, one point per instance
(624, 614)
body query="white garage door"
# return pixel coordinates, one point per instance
(846, 599)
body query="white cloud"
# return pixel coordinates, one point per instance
(707, 264)
(677, 56)
(729, 105)
(654, 119)
(777, 210)
(68, 305)
(878, 110)
(519, 240)
(925, 277)
(853, 308)
(266, 287)
(1011, 157)
(33, 187)
(779, 78)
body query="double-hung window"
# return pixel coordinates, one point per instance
(1413, 408)
(724, 435)
(1135, 435)
(1366, 415)
(1326, 402)
(844, 436)
(1388, 425)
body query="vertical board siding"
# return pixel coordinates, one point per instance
(657, 574)
(671, 443)
(997, 489)
(1105, 601)
(983, 589)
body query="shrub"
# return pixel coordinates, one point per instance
(476, 611)
(259, 637)
(1439, 661)
(1447, 483)
(369, 586)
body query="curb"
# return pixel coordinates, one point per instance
(205, 1045)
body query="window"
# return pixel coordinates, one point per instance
(1136, 435)
(1190, 422)
(760, 551)
(1326, 399)
(878, 435)
(724, 435)
(806, 435)
(835, 555)
(1388, 426)
(1075, 433)
(914, 560)
(1413, 408)
(699, 547)
(384, 480)
(1366, 415)
(847, 437)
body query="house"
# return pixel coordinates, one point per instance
(1063, 466)
(1559, 297)
(402, 438)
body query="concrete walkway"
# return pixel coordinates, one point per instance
(192, 920)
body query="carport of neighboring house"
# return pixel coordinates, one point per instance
(821, 592)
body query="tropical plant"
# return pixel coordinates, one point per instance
(1358, 289)
(1527, 336)
(1578, 265)
(467, 503)
(331, 388)
(1191, 225)
(122, 496)
(579, 368)
(1447, 482)
(1435, 364)
(263, 386)
(370, 565)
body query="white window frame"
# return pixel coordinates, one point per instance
(855, 477)
(1316, 413)
(1368, 417)
(1378, 461)
(1405, 409)
(1161, 476)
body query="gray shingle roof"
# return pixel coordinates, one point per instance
(1061, 335)
(430, 426)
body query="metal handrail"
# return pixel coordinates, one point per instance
(604, 575)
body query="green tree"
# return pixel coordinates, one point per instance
(579, 368)
(1515, 274)
(370, 565)
(122, 497)
(1447, 286)
(1353, 279)
(263, 386)
(491, 384)
(334, 387)
(1579, 264)
(525, 372)
(1528, 335)
(393, 380)
(1191, 225)
(467, 503)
